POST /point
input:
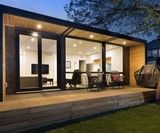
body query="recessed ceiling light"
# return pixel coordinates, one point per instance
(80, 52)
(110, 46)
(88, 53)
(80, 42)
(91, 36)
(74, 45)
(35, 34)
(124, 43)
(95, 48)
(33, 39)
(39, 26)
(28, 47)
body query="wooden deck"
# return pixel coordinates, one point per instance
(26, 111)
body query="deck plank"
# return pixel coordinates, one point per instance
(40, 110)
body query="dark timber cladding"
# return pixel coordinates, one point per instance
(1, 55)
(61, 53)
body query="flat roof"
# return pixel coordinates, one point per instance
(69, 28)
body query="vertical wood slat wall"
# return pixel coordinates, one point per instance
(137, 60)
(4, 59)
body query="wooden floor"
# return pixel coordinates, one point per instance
(25, 111)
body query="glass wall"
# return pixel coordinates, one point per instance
(28, 51)
(29, 67)
(84, 56)
(49, 62)
(114, 59)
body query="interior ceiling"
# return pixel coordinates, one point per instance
(16, 21)
(84, 47)
(29, 43)
(73, 46)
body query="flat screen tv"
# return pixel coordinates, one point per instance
(45, 69)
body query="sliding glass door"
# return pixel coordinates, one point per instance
(28, 55)
(49, 63)
(37, 63)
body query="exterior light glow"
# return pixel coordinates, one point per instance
(35, 34)
(91, 36)
(88, 53)
(39, 26)
(124, 43)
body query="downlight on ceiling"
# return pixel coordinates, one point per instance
(124, 42)
(28, 47)
(74, 45)
(39, 26)
(91, 36)
(33, 39)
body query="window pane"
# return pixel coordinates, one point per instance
(149, 53)
(114, 58)
(84, 56)
(154, 53)
(28, 46)
(159, 52)
(49, 62)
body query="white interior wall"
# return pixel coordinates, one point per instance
(92, 58)
(30, 57)
(116, 58)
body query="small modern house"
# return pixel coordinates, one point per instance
(39, 52)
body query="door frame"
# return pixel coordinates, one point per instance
(22, 31)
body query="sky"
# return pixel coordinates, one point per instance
(54, 8)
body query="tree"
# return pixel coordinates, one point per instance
(125, 16)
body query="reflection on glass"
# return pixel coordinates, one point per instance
(28, 47)
(49, 62)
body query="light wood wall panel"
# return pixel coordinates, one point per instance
(137, 60)
(4, 63)
(16, 21)
(86, 35)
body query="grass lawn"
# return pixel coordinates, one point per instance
(143, 119)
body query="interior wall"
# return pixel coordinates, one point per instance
(74, 59)
(116, 58)
(27, 58)
(137, 60)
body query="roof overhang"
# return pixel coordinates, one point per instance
(25, 19)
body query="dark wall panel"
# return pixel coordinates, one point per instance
(126, 65)
(10, 60)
